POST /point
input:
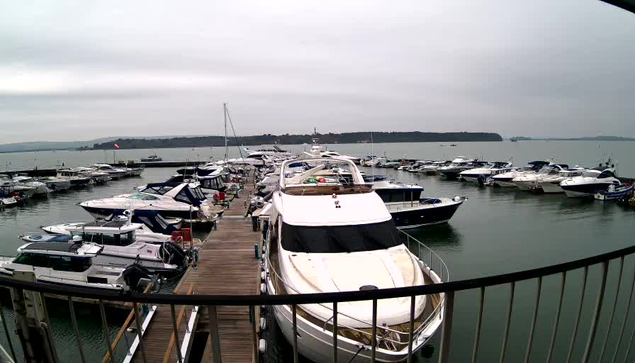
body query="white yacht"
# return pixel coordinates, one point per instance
(12, 188)
(40, 188)
(550, 183)
(591, 182)
(330, 233)
(115, 173)
(491, 169)
(171, 200)
(506, 179)
(528, 181)
(71, 264)
(76, 178)
(336, 155)
(121, 246)
(97, 176)
(458, 165)
(433, 168)
(55, 184)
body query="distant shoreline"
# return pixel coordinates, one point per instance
(287, 139)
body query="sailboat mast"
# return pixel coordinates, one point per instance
(225, 115)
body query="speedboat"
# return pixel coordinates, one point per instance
(154, 228)
(591, 182)
(76, 178)
(458, 165)
(40, 188)
(97, 176)
(506, 179)
(115, 173)
(151, 158)
(57, 184)
(529, 181)
(550, 183)
(12, 188)
(351, 244)
(336, 155)
(491, 169)
(72, 264)
(134, 171)
(171, 200)
(408, 209)
(433, 169)
(121, 246)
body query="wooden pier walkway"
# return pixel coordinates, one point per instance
(227, 266)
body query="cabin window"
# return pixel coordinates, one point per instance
(337, 239)
(182, 197)
(74, 264)
(123, 239)
(161, 221)
(32, 260)
(146, 221)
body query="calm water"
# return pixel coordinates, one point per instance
(495, 231)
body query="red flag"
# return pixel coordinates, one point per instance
(117, 146)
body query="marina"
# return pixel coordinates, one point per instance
(228, 253)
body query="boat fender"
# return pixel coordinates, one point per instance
(263, 289)
(262, 345)
(263, 275)
(263, 324)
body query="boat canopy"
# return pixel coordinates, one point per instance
(61, 249)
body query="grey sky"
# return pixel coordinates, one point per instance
(75, 70)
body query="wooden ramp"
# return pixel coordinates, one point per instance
(227, 266)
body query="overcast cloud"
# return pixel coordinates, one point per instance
(77, 70)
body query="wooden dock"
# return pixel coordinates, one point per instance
(227, 265)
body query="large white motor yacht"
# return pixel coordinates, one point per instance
(506, 179)
(330, 234)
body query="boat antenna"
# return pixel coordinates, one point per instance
(225, 116)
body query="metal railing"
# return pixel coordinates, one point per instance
(449, 291)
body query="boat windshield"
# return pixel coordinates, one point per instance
(338, 239)
(142, 196)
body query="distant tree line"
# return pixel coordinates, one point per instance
(287, 139)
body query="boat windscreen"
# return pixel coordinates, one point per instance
(337, 239)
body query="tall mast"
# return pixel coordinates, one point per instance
(225, 115)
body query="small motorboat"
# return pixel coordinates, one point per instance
(151, 158)
(57, 184)
(40, 188)
(624, 191)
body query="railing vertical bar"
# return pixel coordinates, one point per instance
(139, 331)
(214, 334)
(630, 344)
(626, 314)
(373, 348)
(49, 325)
(104, 322)
(617, 297)
(596, 314)
(479, 323)
(75, 328)
(411, 326)
(444, 353)
(510, 309)
(577, 320)
(335, 332)
(532, 329)
(294, 314)
(176, 334)
(6, 332)
(557, 318)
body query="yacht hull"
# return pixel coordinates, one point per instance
(583, 190)
(421, 215)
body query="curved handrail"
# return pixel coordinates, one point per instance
(244, 300)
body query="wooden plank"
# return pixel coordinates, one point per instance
(226, 255)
